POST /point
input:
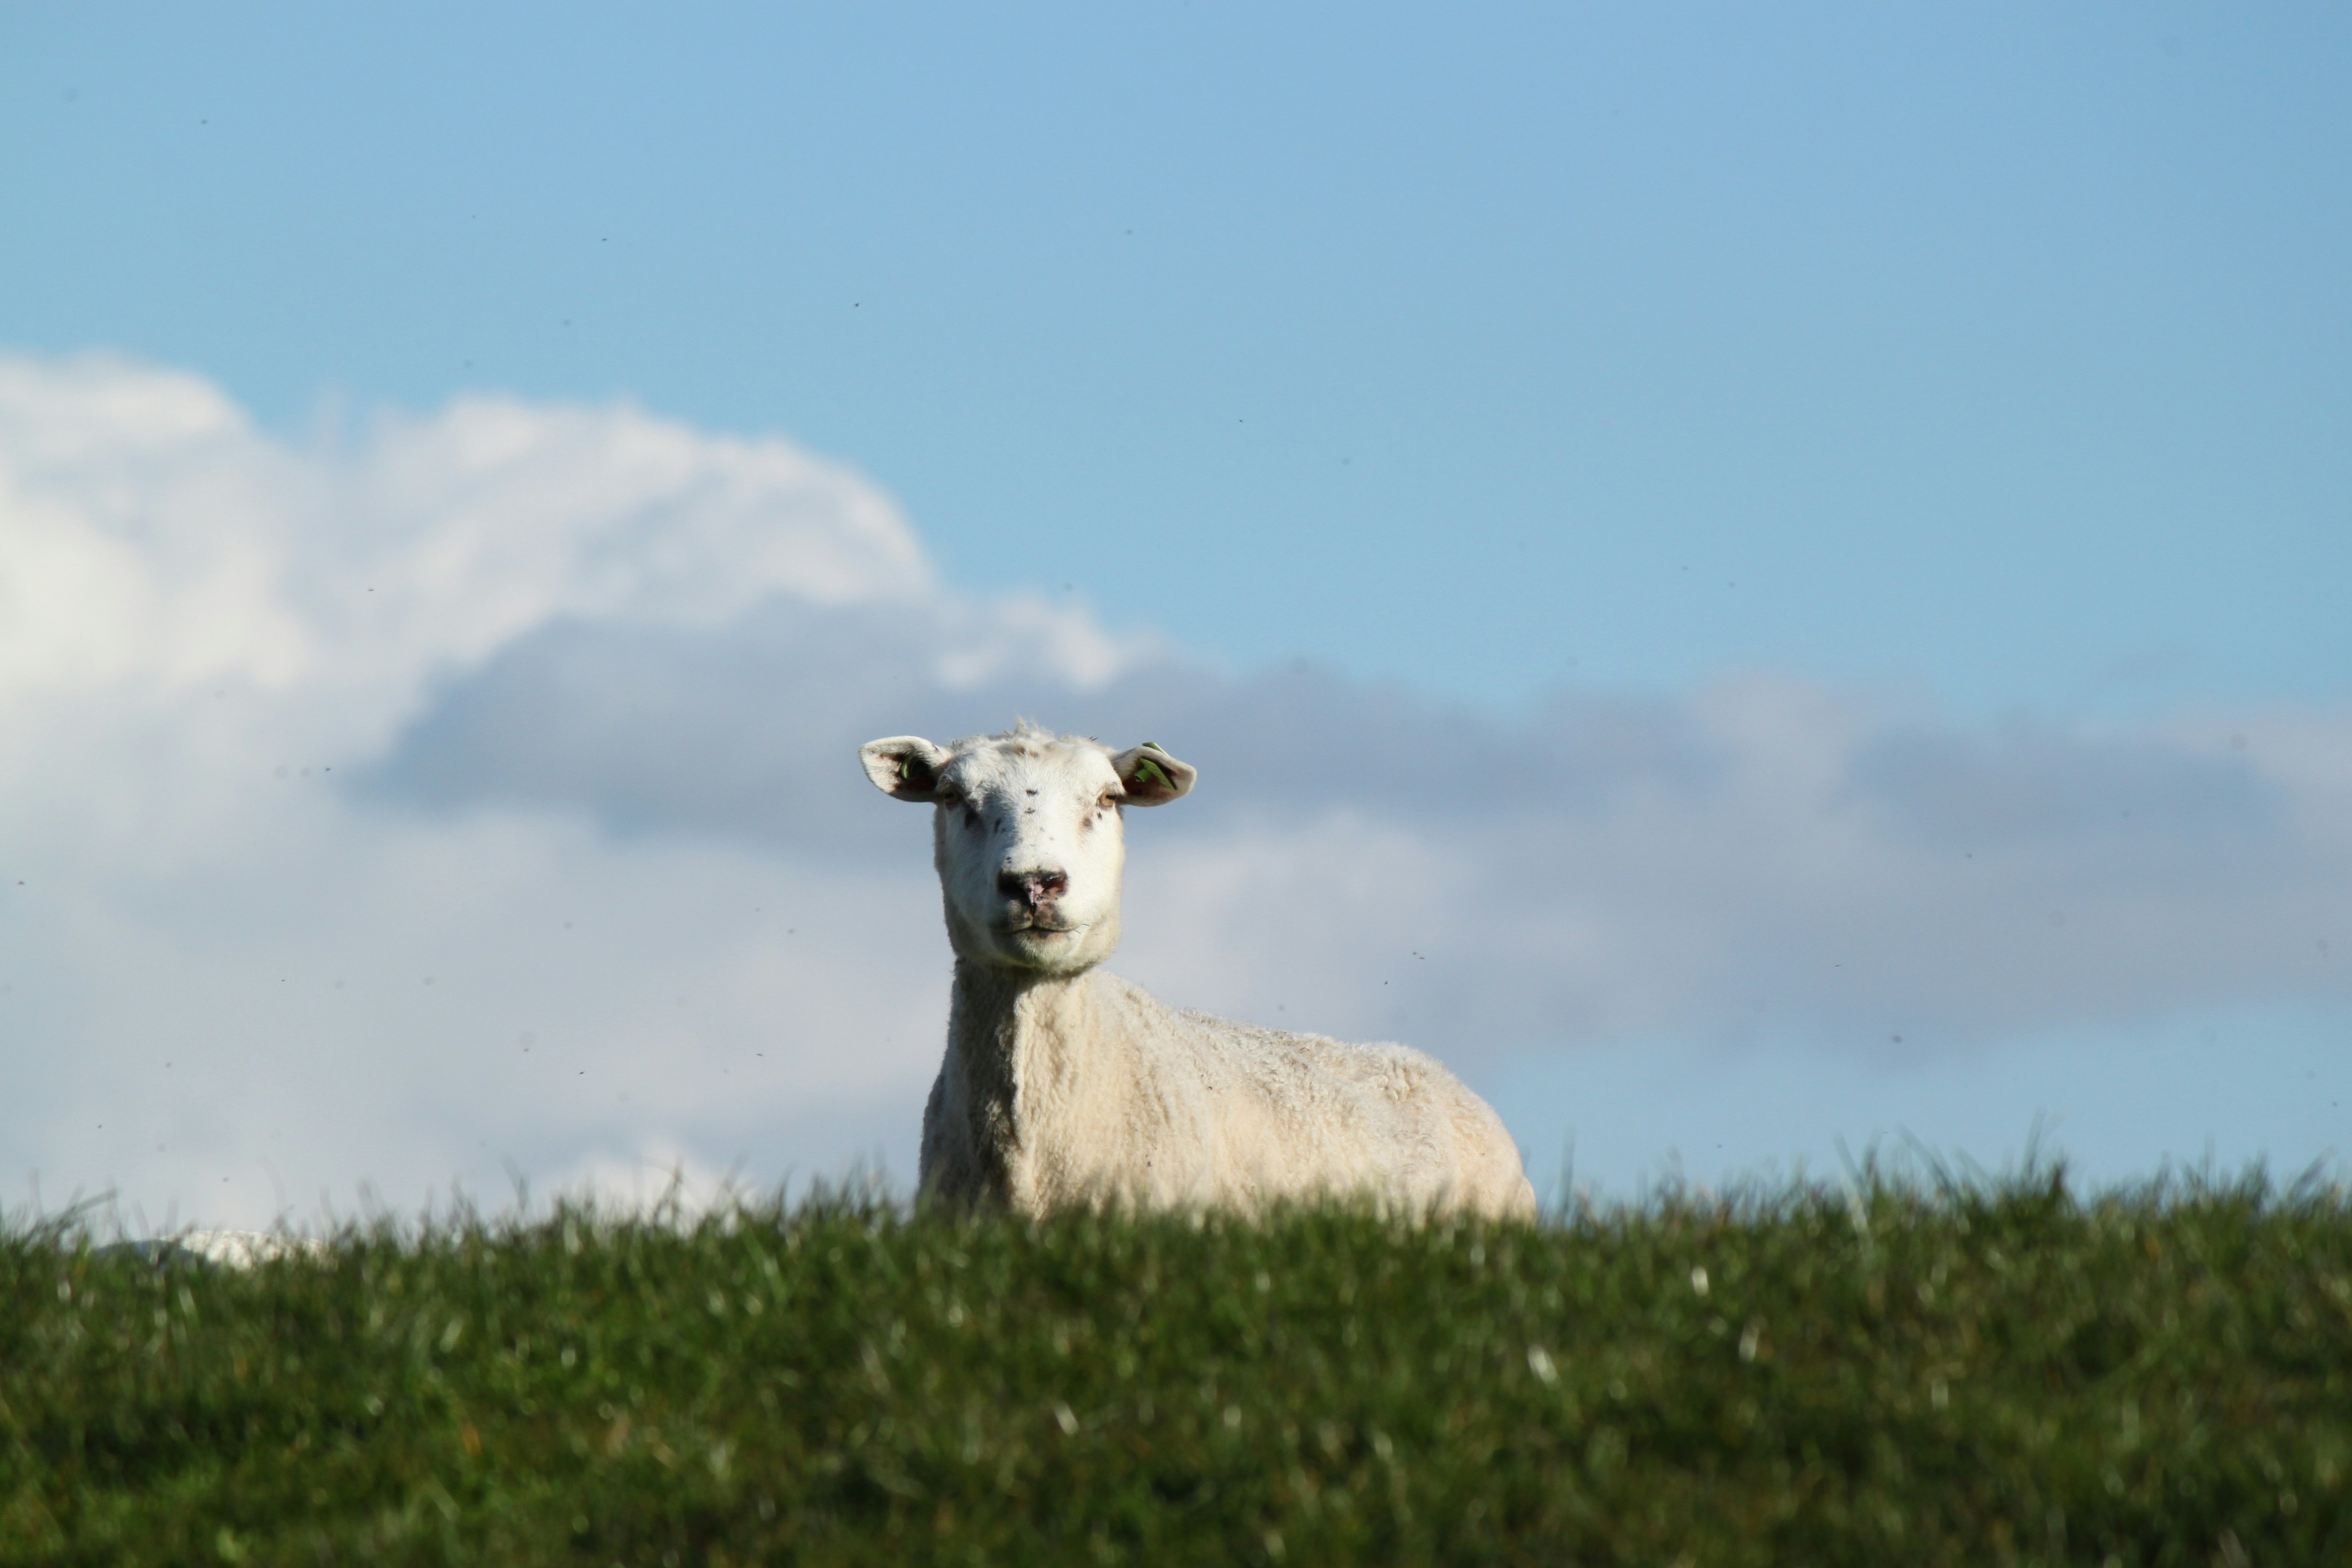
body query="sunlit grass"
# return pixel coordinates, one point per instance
(1885, 1373)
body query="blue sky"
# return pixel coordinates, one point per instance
(1950, 408)
(2001, 355)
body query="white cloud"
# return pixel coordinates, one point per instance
(477, 792)
(218, 951)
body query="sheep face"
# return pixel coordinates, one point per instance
(1029, 837)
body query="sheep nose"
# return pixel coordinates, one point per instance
(1035, 889)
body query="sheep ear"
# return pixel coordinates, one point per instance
(1151, 776)
(905, 766)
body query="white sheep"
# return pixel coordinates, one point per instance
(1064, 1085)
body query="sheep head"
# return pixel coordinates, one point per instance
(1028, 835)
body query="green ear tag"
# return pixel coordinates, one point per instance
(907, 769)
(1149, 772)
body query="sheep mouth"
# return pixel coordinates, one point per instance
(1037, 928)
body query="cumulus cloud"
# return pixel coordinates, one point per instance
(474, 792)
(239, 973)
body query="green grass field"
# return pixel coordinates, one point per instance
(1891, 1373)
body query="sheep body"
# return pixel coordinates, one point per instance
(1091, 1088)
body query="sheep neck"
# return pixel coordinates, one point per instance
(1018, 1039)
